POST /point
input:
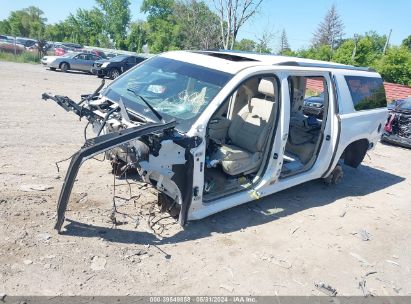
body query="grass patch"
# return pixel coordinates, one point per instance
(24, 57)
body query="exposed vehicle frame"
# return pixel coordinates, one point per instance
(245, 94)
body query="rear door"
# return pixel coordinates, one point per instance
(129, 63)
(79, 62)
(362, 110)
(315, 84)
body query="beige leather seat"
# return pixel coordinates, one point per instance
(248, 134)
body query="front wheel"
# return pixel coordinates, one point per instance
(114, 73)
(335, 176)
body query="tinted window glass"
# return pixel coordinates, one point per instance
(131, 60)
(139, 59)
(406, 104)
(366, 92)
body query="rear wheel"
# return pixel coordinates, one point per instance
(64, 67)
(100, 76)
(114, 73)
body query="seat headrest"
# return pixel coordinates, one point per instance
(266, 87)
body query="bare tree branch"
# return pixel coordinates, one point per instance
(233, 15)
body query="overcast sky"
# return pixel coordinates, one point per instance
(298, 17)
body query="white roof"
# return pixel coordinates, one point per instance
(233, 67)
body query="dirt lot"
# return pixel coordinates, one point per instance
(282, 244)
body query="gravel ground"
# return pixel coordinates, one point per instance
(283, 244)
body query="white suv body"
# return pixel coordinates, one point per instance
(230, 126)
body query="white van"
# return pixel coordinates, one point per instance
(215, 129)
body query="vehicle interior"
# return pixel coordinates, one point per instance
(306, 131)
(238, 137)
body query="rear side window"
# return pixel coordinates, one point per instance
(366, 92)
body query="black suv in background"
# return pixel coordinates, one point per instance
(115, 66)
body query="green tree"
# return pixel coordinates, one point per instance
(199, 27)
(5, 27)
(395, 65)
(246, 45)
(28, 22)
(137, 37)
(284, 45)
(321, 52)
(362, 50)
(344, 54)
(116, 18)
(86, 27)
(58, 31)
(330, 31)
(164, 31)
(407, 42)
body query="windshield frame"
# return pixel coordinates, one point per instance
(184, 125)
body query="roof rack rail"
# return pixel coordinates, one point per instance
(325, 65)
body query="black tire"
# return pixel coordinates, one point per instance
(52, 69)
(100, 76)
(335, 176)
(64, 67)
(114, 73)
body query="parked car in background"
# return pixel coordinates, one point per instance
(60, 51)
(314, 105)
(10, 46)
(395, 103)
(72, 45)
(74, 61)
(397, 130)
(47, 60)
(115, 66)
(95, 52)
(66, 47)
(111, 55)
(27, 42)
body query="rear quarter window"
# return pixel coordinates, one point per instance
(366, 92)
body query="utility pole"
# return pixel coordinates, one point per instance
(387, 42)
(354, 51)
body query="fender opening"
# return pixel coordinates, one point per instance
(167, 204)
(355, 152)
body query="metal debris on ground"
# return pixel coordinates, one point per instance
(360, 259)
(365, 236)
(44, 236)
(229, 288)
(344, 212)
(295, 230)
(280, 262)
(397, 289)
(98, 263)
(362, 284)
(392, 262)
(326, 289)
(33, 187)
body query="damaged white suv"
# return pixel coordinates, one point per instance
(215, 129)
